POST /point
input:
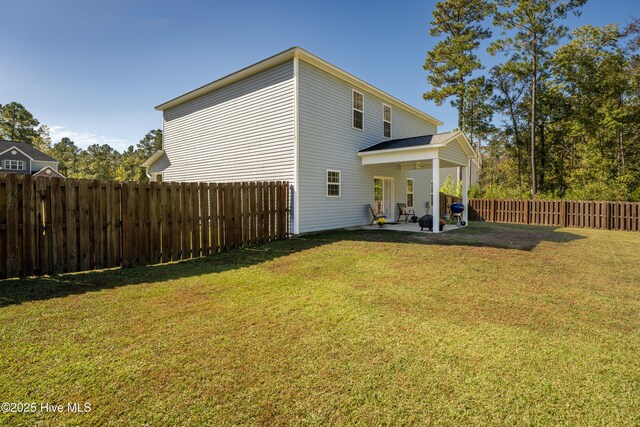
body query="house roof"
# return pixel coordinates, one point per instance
(154, 157)
(416, 141)
(29, 150)
(287, 55)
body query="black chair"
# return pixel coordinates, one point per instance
(375, 216)
(403, 210)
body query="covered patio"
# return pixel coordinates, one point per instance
(409, 227)
(443, 150)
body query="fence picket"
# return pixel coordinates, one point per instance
(154, 231)
(29, 225)
(12, 212)
(41, 245)
(57, 233)
(205, 218)
(195, 220)
(3, 230)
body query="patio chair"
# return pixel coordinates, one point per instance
(403, 210)
(375, 216)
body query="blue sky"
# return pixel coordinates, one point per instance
(94, 70)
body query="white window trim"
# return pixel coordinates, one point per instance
(390, 120)
(413, 191)
(20, 165)
(353, 92)
(339, 183)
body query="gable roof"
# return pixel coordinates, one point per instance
(154, 158)
(423, 141)
(27, 149)
(287, 55)
(49, 172)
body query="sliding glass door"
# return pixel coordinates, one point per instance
(383, 197)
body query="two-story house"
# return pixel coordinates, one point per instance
(342, 143)
(22, 158)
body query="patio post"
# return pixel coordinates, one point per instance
(436, 194)
(465, 193)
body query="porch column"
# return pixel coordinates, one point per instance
(436, 194)
(465, 193)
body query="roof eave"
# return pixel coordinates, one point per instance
(154, 157)
(265, 64)
(294, 52)
(340, 73)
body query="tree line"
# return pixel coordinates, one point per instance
(559, 115)
(97, 161)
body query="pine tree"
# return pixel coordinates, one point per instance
(535, 30)
(17, 123)
(151, 143)
(452, 60)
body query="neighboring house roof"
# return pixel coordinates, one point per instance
(415, 141)
(27, 149)
(49, 172)
(294, 52)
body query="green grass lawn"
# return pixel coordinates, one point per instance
(493, 324)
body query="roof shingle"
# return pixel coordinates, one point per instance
(27, 149)
(415, 141)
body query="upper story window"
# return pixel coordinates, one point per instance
(333, 183)
(386, 120)
(358, 110)
(16, 165)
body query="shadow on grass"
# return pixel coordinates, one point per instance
(501, 236)
(480, 234)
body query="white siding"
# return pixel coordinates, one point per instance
(244, 131)
(160, 165)
(328, 141)
(454, 153)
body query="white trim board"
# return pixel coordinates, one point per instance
(296, 147)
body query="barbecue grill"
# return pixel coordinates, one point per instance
(456, 212)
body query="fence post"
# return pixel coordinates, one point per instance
(563, 213)
(493, 210)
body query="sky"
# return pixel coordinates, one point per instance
(94, 70)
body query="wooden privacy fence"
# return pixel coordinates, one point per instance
(52, 226)
(560, 213)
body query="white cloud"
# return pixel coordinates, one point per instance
(85, 138)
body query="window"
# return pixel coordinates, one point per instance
(333, 183)
(358, 110)
(409, 192)
(386, 120)
(16, 165)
